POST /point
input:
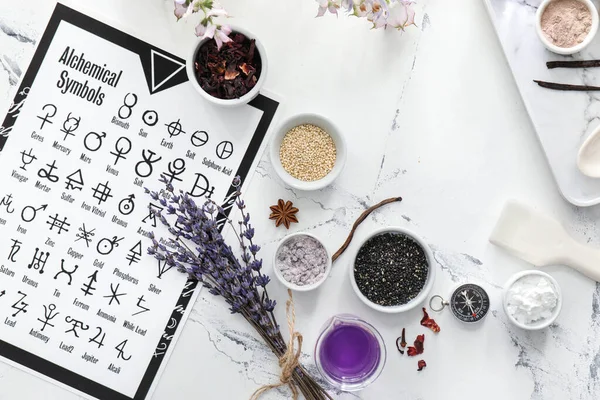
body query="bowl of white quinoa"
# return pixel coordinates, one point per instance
(308, 152)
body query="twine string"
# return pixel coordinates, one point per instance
(290, 360)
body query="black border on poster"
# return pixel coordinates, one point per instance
(266, 105)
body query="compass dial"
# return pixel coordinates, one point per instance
(470, 303)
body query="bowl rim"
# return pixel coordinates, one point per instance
(566, 50)
(421, 297)
(539, 325)
(291, 285)
(322, 122)
(245, 99)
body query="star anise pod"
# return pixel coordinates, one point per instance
(284, 213)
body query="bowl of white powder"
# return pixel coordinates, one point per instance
(566, 26)
(532, 300)
(301, 262)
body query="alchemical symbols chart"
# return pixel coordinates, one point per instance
(99, 116)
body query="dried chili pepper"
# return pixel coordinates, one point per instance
(421, 364)
(429, 322)
(419, 346)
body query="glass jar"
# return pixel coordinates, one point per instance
(350, 353)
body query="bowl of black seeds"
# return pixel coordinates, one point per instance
(393, 270)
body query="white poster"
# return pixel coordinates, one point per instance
(99, 116)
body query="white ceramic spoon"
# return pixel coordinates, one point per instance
(588, 159)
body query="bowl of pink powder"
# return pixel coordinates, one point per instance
(301, 262)
(566, 26)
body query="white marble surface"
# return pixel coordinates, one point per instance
(562, 120)
(432, 115)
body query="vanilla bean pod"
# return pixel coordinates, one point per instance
(573, 64)
(360, 219)
(567, 87)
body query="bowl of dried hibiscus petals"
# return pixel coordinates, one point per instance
(228, 74)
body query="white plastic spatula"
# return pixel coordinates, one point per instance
(542, 241)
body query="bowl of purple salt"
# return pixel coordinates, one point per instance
(301, 262)
(393, 270)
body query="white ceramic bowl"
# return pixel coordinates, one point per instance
(428, 283)
(291, 285)
(540, 324)
(566, 50)
(191, 72)
(327, 126)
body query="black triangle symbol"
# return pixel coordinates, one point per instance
(166, 72)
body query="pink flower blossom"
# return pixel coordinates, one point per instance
(222, 35)
(397, 14)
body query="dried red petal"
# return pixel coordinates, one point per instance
(418, 348)
(231, 73)
(429, 322)
(246, 69)
(421, 364)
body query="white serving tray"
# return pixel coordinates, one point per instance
(562, 120)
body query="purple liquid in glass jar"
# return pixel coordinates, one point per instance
(350, 352)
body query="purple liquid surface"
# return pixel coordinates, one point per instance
(349, 353)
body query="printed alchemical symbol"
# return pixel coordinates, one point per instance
(64, 271)
(39, 261)
(147, 161)
(93, 140)
(102, 192)
(100, 342)
(50, 110)
(174, 128)
(121, 349)
(20, 305)
(106, 245)
(88, 288)
(135, 253)
(70, 125)
(199, 138)
(86, 235)
(175, 168)
(27, 158)
(139, 304)
(47, 174)
(224, 150)
(163, 267)
(29, 213)
(127, 205)
(114, 296)
(48, 316)
(129, 101)
(7, 201)
(201, 187)
(76, 324)
(75, 181)
(122, 147)
(14, 249)
(153, 209)
(60, 225)
(150, 117)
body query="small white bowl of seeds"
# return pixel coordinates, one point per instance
(308, 152)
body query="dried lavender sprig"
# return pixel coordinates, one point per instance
(215, 265)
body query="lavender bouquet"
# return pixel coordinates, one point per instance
(198, 249)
